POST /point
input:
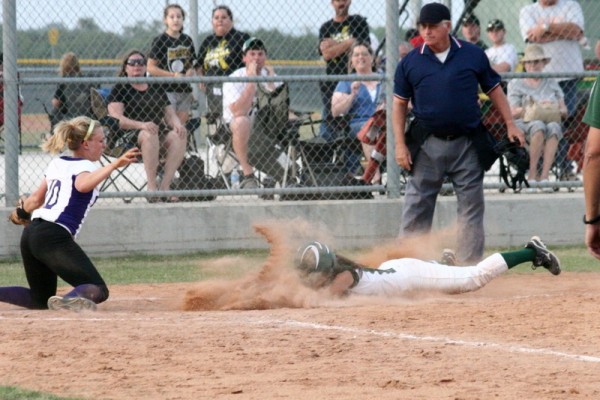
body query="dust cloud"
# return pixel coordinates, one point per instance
(277, 285)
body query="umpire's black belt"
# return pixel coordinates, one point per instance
(446, 136)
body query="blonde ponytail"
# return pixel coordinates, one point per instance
(70, 133)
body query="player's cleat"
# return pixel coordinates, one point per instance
(70, 303)
(448, 257)
(543, 257)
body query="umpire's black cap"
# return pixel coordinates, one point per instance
(433, 13)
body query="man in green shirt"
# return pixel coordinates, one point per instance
(591, 173)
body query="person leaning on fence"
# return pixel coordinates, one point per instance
(53, 216)
(144, 109)
(591, 173)
(358, 99)
(336, 36)
(502, 55)
(70, 100)
(446, 137)
(172, 54)
(538, 105)
(239, 104)
(557, 26)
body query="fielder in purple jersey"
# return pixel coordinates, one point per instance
(57, 210)
(320, 267)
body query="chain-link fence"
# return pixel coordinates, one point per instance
(295, 149)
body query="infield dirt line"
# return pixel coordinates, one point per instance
(216, 320)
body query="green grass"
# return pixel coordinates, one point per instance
(12, 393)
(151, 269)
(193, 267)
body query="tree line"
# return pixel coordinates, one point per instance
(89, 41)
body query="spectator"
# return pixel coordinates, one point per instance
(471, 30)
(403, 49)
(413, 37)
(542, 135)
(220, 54)
(357, 99)
(445, 131)
(557, 26)
(144, 109)
(597, 49)
(502, 55)
(70, 100)
(591, 173)
(239, 104)
(57, 210)
(172, 55)
(20, 100)
(335, 38)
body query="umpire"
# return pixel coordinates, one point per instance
(441, 79)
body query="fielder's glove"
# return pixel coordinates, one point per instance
(19, 216)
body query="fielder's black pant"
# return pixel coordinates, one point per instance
(49, 251)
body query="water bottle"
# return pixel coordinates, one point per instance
(235, 179)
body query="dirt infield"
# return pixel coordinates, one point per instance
(526, 335)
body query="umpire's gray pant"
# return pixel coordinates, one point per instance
(456, 159)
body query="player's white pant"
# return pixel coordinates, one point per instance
(404, 275)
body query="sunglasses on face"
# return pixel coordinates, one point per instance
(136, 61)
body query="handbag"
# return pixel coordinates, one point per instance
(545, 112)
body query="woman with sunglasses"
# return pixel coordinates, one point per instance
(172, 54)
(142, 108)
(57, 210)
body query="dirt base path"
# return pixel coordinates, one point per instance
(527, 335)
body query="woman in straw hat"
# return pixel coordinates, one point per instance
(542, 128)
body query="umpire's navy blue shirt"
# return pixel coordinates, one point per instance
(444, 96)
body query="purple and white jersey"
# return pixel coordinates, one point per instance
(64, 205)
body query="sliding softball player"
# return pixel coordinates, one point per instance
(319, 267)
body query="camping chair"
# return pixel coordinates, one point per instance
(271, 134)
(511, 167)
(119, 141)
(76, 101)
(219, 149)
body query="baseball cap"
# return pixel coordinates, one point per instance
(433, 13)
(470, 19)
(495, 25)
(253, 44)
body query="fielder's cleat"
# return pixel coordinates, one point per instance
(71, 303)
(543, 257)
(448, 257)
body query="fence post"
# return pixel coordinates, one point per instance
(391, 59)
(11, 99)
